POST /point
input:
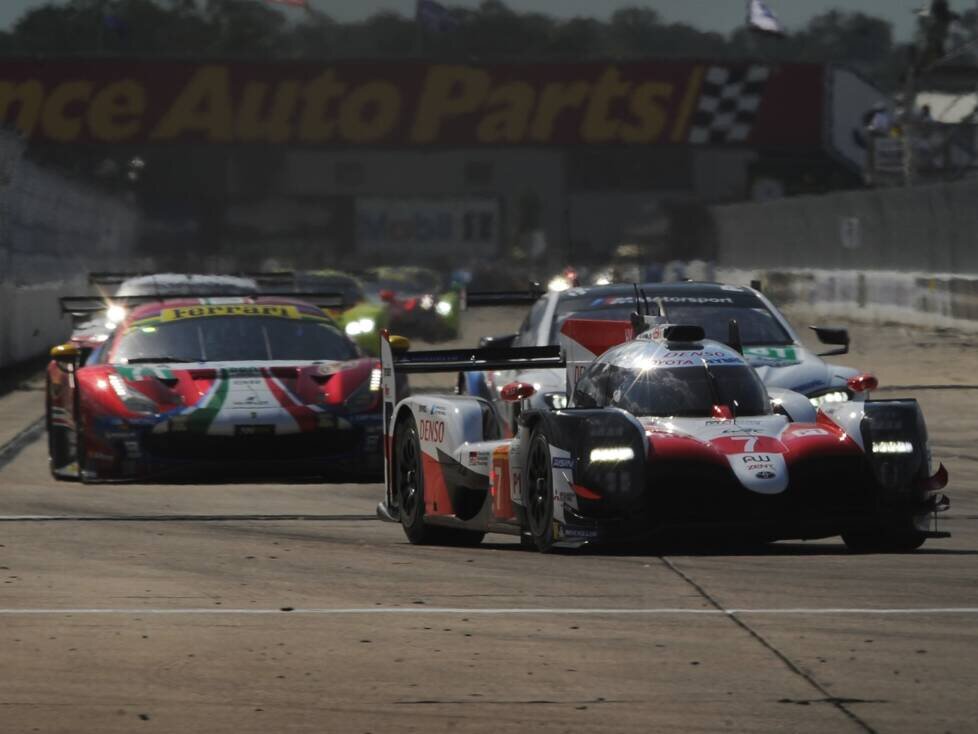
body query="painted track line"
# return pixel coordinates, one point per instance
(188, 518)
(498, 611)
(10, 450)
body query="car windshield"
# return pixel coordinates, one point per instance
(758, 326)
(233, 339)
(155, 285)
(673, 391)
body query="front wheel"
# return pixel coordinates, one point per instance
(539, 493)
(409, 489)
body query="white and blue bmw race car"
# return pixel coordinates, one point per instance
(770, 344)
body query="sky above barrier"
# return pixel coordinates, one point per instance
(715, 15)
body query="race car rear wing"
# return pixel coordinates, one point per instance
(473, 299)
(112, 277)
(80, 307)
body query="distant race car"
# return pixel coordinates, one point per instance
(770, 344)
(667, 433)
(362, 317)
(94, 327)
(239, 385)
(421, 303)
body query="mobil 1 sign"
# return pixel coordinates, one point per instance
(442, 226)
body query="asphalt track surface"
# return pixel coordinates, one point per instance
(287, 608)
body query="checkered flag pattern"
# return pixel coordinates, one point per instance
(728, 104)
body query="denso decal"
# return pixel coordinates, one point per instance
(432, 431)
(239, 309)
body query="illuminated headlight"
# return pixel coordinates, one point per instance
(892, 447)
(115, 313)
(443, 308)
(427, 303)
(375, 379)
(132, 399)
(836, 396)
(360, 326)
(613, 454)
(558, 284)
(556, 400)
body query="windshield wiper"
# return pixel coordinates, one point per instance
(139, 360)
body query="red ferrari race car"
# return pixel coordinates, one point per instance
(237, 385)
(666, 434)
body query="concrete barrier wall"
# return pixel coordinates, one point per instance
(52, 232)
(927, 229)
(877, 296)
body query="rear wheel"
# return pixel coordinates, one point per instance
(539, 493)
(409, 488)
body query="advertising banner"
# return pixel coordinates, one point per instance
(414, 104)
(427, 228)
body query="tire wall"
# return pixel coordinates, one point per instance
(52, 232)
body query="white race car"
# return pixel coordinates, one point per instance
(770, 345)
(665, 433)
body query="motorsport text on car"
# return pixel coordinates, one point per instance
(667, 432)
(770, 344)
(262, 384)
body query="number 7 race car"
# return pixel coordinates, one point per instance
(666, 433)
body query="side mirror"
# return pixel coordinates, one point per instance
(838, 337)
(504, 341)
(399, 344)
(387, 295)
(516, 391)
(67, 353)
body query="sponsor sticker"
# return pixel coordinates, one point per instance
(237, 309)
(765, 475)
(432, 431)
(563, 462)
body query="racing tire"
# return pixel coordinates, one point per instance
(539, 493)
(59, 441)
(901, 538)
(409, 488)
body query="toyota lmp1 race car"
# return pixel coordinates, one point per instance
(664, 433)
(770, 344)
(238, 385)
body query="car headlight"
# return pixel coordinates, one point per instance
(115, 313)
(892, 447)
(558, 284)
(427, 303)
(443, 308)
(612, 454)
(829, 397)
(134, 400)
(555, 400)
(360, 326)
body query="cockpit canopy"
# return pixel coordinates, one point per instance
(650, 378)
